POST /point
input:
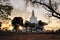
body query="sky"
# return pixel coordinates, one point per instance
(19, 8)
(40, 13)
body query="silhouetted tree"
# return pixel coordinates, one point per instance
(26, 25)
(16, 22)
(51, 5)
(58, 30)
(0, 25)
(38, 28)
(5, 10)
(41, 24)
(52, 32)
(32, 25)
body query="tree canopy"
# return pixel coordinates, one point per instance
(16, 22)
(5, 10)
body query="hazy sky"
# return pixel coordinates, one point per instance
(19, 6)
(40, 13)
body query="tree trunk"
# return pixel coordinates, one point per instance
(31, 30)
(26, 29)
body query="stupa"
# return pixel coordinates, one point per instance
(33, 19)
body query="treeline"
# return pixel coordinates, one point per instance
(28, 26)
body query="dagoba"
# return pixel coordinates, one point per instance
(33, 19)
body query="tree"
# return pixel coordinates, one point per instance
(5, 10)
(41, 24)
(0, 25)
(16, 22)
(32, 25)
(48, 5)
(26, 25)
(58, 30)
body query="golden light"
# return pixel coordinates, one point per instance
(20, 28)
(52, 26)
(6, 26)
(10, 28)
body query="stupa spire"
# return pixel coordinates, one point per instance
(33, 13)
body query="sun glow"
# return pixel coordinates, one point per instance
(52, 26)
(21, 28)
(6, 26)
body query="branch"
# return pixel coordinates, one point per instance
(56, 16)
(48, 7)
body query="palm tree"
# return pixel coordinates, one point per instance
(16, 22)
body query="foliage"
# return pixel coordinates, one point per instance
(5, 11)
(0, 25)
(34, 26)
(26, 24)
(58, 30)
(16, 22)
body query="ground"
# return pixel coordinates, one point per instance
(28, 36)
